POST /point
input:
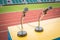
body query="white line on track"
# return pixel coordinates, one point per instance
(3, 31)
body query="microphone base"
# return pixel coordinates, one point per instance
(22, 33)
(39, 29)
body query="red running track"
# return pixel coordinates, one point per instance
(14, 18)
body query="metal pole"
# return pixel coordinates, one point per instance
(22, 23)
(40, 18)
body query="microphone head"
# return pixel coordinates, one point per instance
(50, 7)
(25, 9)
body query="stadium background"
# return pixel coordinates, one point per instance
(11, 11)
(7, 2)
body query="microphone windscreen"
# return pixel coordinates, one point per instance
(49, 7)
(25, 9)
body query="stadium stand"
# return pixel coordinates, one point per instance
(1, 2)
(7, 2)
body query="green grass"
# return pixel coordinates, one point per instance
(14, 8)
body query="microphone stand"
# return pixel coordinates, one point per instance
(39, 19)
(38, 28)
(22, 33)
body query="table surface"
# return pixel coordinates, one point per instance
(51, 30)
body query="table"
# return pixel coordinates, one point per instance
(51, 30)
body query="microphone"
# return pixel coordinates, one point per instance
(24, 11)
(45, 11)
(22, 33)
(38, 28)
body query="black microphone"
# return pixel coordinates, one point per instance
(24, 11)
(38, 28)
(45, 11)
(22, 33)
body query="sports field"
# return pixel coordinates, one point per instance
(11, 15)
(14, 8)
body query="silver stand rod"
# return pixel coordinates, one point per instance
(22, 33)
(39, 19)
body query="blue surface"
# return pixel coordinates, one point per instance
(57, 38)
(9, 37)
